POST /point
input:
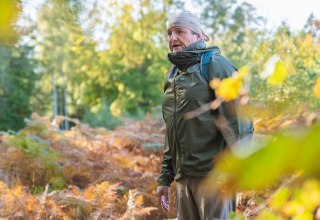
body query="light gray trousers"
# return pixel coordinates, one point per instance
(193, 204)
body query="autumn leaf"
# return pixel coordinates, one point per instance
(280, 73)
(280, 198)
(9, 11)
(272, 161)
(229, 88)
(266, 215)
(317, 88)
(242, 72)
(214, 83)
(310, 194)
(269, 67)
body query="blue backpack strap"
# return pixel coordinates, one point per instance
(205, 63)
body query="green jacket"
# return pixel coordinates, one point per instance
(191, 145)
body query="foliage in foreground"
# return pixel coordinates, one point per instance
(288, 152)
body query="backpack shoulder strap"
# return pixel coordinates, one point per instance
(245, 126)
(205, 63)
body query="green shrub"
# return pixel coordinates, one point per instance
(101, 118)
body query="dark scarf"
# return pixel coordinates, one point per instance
(187, 57)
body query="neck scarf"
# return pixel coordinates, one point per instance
(187, 57)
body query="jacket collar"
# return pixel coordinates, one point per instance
(190, 55)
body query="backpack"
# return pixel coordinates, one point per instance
(245, 125)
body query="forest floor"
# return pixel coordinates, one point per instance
(87, 173)
(105, 174)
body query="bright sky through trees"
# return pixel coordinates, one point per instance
(294, 12)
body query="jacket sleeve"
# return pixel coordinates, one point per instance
(227, 120)
(167, 174)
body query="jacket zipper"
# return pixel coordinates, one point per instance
(175, 123)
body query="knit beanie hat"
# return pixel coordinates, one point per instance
(188, 20)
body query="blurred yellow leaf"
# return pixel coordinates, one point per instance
(214, 83)
(115, 109)
(310, 194)
(272, 161)
(121, 87)
(317, 88)
(243, 71)
(266, 215)
(303, 216)
(280, 198)
(229, 88)
(9, 11)
(280, 73)
(292, 208)
(310, 154)
(269, 66)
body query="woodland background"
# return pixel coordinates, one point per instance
(80, 97)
